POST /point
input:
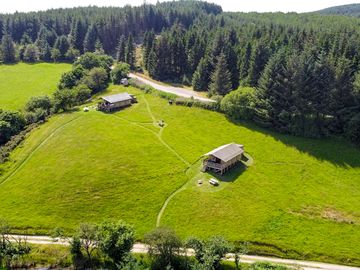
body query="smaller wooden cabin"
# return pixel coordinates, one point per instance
(116, 102)
(223, 158)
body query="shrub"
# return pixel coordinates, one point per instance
(352, 129)
(239, 104)
(164, 245)
(41, 102)
(82, 94)
(11, 123)
(116, 241)
(97, 79)
(92, 60)
(64, 99)
(35, 116)
(209, 253)
(71, 78)
(120, 72)
(31, 53)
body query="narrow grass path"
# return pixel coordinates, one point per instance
(163, 142)
(32, 152)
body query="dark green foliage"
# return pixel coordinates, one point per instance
(7, 49)
(91, 60)
(77, 35)
(258, 60)
(9, 249)
(220, 78)
(148, 44)
(116, 241)
(352, 129)
(71, 78)
(11, 123)
(164, 246)
(31, 53)
(72, 54)
(119, 72)
(41, 102)
(64, 100)
(90, 39)
(62, 44)
(130, 52)
(97, 79)
(201, 77)
(120, 50)
(209, 253)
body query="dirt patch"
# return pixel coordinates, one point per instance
(328, 213)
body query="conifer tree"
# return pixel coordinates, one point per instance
(201, 77)
(220, 78)
(90, 39)
(120, 50)
(7, 49)
(62, 44)
(130, 52)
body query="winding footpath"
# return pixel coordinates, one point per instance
(182, 92)
(143, 249)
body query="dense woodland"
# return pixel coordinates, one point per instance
(303, 69)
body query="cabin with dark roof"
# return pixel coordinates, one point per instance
(116, 102)
(223, 158)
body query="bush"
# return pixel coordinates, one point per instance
(120, 72)
(71, 78)
(35, 116)
(82, 94)
(64, 99)
(11, 123)
(31, 53)
(116, 241)
(92, 60)
(41, 102)
(190, 102)
(164, 245)
(352, 129)
(209, 253)
(239, 104)
(97, 79)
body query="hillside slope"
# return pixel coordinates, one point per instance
(346, 10)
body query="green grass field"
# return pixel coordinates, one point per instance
(21, 81)
(299, 198)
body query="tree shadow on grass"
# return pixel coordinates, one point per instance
(231, 175)
(335, 150)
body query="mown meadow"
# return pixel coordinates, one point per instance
(298, 198)
(20, 82)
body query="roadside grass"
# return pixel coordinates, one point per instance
(21, 81)
(299, 198)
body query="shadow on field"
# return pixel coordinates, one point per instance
(335, 150)
(231, 175)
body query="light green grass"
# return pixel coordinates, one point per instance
(299, 198)
(21, 81)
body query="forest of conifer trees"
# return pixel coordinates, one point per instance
(303, 68)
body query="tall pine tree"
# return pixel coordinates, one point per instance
(221, 78)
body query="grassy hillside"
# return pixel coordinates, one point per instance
(347, 10)
(21, 81)
(297, 198)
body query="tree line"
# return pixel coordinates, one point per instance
(304, 67)
(91, 73)
(109, 245)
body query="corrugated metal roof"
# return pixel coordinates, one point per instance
(117, 97)
(227, 152)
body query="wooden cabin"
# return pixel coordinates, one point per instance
(116, 102)
(223, 158)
